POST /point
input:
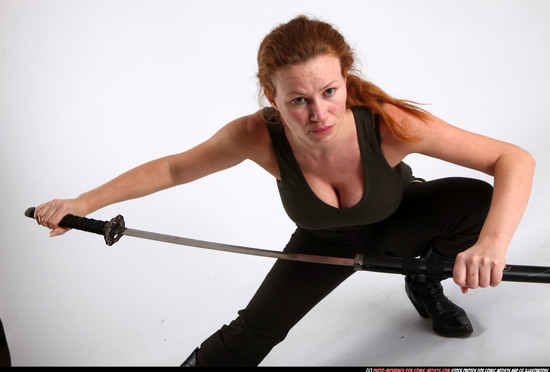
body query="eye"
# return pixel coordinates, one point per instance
(299, 100)
(330, 91)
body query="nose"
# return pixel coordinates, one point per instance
(318, 111)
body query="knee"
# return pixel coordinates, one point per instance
(473, 205)
(480, 194)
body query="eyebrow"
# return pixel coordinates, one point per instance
(296, 93)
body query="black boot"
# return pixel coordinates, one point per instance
(191, 361)
(196, 359)
(427, 296)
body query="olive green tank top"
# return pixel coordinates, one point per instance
(384, 185)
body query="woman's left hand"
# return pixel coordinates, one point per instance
(479, 266)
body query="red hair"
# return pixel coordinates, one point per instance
(302, 39)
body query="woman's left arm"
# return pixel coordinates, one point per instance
(512, 168)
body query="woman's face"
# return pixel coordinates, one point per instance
(311, 98)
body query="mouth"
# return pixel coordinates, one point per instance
(323, 130)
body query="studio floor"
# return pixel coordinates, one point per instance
(511, 328)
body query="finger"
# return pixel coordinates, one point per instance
(485, 275)
(37, 213)
(496, 276)
(39, 216)
(459, 272)
(40, 213)
(491, 273)
(472, 276)
(48, 212)
(48, 215)
(58, 231)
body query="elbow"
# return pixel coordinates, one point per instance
(528, 161)
(525, 162)
(517, 161)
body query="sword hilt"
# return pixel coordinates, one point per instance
(111, 230)
(432, 268)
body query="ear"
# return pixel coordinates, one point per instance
(270, 100)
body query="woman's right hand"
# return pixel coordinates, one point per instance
(51, 213)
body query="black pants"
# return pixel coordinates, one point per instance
(446, 215)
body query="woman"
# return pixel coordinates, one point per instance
(336, 144)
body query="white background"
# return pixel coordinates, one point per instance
(89, 89)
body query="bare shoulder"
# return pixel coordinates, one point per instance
(420, 128)
(248, 138)
(423, 130)
(244, 135)
(410, 123)
(255, 127)
(393, 149)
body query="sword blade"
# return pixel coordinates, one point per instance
(353, 262)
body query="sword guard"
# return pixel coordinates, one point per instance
(113, 230)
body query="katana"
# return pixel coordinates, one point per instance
(114, 229)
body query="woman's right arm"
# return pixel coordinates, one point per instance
(231, 145)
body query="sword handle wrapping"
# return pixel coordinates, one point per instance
(431, 268)
(111, 230)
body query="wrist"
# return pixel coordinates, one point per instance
(84, 205)
(498, 243)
